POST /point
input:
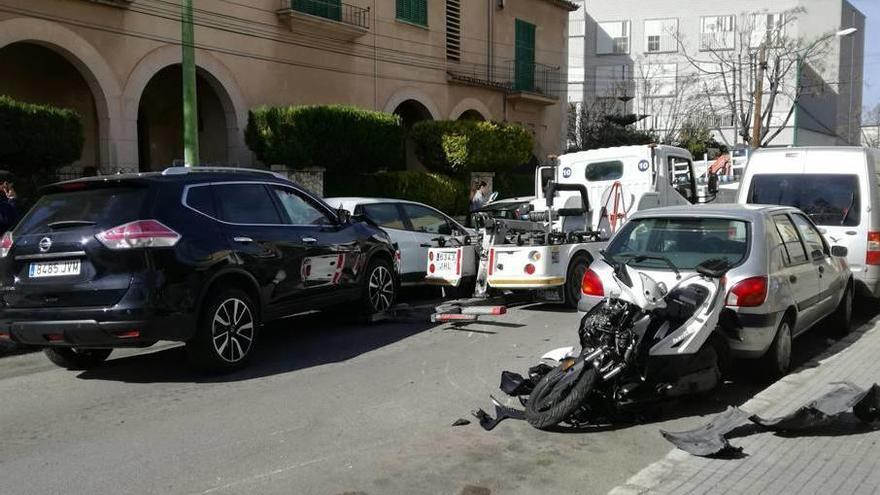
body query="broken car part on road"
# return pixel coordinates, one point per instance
(711, 440)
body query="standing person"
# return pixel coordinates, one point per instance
(480, 195)
(8, 208)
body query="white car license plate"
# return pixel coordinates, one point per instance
(445, 262)
(55, 269)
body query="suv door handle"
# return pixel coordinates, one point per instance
(309, 240)
(243, 240)
(792, 279)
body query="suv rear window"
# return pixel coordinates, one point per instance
(828, 199)
(106, 207)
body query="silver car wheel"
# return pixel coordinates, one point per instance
(381, 289)
(232, 330)
(783, 348)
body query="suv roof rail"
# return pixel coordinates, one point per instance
(189, 170)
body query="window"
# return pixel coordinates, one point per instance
(681, 177)
(660, 79)
(612, 38)
(612, 80)
(660, 35)
(524, 77)
(246, 204)
(426, 220)
(107, 207)
(767, 27)
(815, 243)
(414, 11)
(299, 210)
(792, 248)
(686, 242)
(828, 199)
(384, 215)
(604, 171)
(717, 32)
(201, 199)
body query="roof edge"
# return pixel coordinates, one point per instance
(563, 4)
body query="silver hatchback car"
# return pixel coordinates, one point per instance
(784, 276)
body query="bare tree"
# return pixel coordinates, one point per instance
(871, 127)
(734, 50)
(666, 99)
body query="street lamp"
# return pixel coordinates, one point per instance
(797, 78)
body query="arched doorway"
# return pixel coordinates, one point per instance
(34, 73)
(411, 112)
(472, 115)
(160, 121)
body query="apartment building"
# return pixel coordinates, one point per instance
(660, 60)
(117, 62)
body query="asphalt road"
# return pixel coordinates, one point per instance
(326, 407)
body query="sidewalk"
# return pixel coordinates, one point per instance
(843, 460)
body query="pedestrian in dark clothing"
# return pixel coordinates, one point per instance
(8, 208)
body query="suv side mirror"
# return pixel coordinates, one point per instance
(839, 251)
(343, 215)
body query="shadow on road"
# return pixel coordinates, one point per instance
(292, 344)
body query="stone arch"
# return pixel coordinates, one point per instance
(218, 76)
(413, 94)
(91, 65)
(470, 104)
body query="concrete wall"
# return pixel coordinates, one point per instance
(267, 60)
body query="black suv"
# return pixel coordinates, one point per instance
(204, 256)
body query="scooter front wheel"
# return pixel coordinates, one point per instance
(559, 394)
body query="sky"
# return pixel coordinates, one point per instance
(871, 9)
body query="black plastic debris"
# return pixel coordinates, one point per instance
(819, 412)
(712, 438)
(502, 412)
(516, 385)
(461, 422)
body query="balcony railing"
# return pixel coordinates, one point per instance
(722, 40)
(331, 10)
(512, 76)
(115, 3)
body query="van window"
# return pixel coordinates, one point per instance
(602, 171)
(828, 199)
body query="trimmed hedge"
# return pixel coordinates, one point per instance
(459, 147)
(441, 192)
(339, 138)
(38, 138)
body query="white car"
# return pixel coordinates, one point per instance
(413, 226)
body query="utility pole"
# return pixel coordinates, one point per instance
(759, 97)
(190, 102)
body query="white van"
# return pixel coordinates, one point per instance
(837, 187)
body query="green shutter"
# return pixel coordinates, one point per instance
(415, 11)
(524, 63)
(329, 9)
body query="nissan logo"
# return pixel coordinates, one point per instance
(45, 244)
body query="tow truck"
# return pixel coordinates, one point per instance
(581, 199)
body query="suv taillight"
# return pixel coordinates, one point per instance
(139, 234)
(873, 254)
(748, 293)
(591, 284)
(5, 244)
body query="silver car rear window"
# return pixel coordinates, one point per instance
(686, 242)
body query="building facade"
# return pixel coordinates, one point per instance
(117, 62)
(661, 60)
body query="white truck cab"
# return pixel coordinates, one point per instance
(597, 192)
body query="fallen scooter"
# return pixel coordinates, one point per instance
(642, 343)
